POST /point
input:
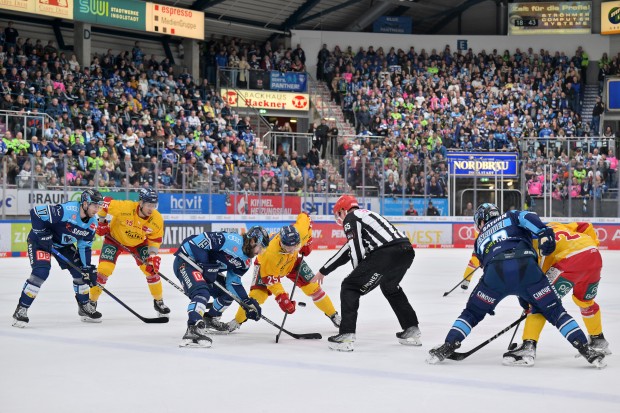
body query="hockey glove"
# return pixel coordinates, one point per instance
(546, 241)
(252, 309)
(89, 275)
(44, 241)
(103, 228)
(152, 264)
(306, 249)
(465, 284)
(285, 303)
(210, 272)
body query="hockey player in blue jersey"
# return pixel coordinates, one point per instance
(70, 229)
(215, 253)
(504, 248)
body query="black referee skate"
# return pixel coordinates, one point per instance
(196, 336)
(341, 342)
(599, 344)
(442, 352)
(594, 357)
(524, 355)
(20, 317)
(214, 325)
(410, 337)
(88, 312)
(161, 308)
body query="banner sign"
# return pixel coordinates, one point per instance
(178, 203)
(398, 206)
(128, 14)
(288, 82)
(175, 21)
(389, 24)
(62, 9)
(264, 99)
(559, 17)
(325, 206)
(264, 205)
(483, 163)
(613, 94)
(610, 17)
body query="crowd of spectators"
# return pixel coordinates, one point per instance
(417, 105)
(129, 120)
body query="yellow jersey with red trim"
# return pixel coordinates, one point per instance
(128, 228)
(570, 239)
(273, 261)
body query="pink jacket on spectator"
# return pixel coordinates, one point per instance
(534, 187)
(575, 191)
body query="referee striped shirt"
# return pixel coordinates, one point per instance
(366, 232)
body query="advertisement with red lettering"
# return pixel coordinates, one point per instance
(265, 205)
(327, 236)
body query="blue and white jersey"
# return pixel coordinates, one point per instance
(223, 249)
(512, 230)
(67, 228)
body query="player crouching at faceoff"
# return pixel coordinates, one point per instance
(575, 264)
(197, 265)
(70, 229)
(139, 227)
(280, 259)
(380, 255)
(510, 263)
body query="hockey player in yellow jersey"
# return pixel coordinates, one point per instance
(575, 264)
(281, 259)
(139, 227)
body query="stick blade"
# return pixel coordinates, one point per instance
(309, 336)
(158, 320)
(458, 356)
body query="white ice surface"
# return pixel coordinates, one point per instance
(59, 364)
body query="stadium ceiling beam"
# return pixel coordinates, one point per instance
(202, 5)
(328, 11)
(246, 22)
(452, 14)
(292, 20)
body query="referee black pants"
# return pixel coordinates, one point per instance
(384, 267)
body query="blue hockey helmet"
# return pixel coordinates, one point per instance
(484, 213)
(289, 236)
(91, 196)
(148, 195)
(260, 237)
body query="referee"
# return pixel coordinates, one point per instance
(380, 255)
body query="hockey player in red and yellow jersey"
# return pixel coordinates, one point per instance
(139, 227)
(575, 264)
(281, 259)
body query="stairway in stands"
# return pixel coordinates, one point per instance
(589, 99)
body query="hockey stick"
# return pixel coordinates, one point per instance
(461, 356)
(511, 345)
(460, 282)
(291, 298)
(308, 336)
(137, 257)
(157, 320)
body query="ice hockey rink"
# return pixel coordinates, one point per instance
(60, 364)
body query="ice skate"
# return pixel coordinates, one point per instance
(410, 337)
(335, 319)
(594, 357)
(20, 317)
(196, 336)
(233, 325)
(341, 342)
(442, 352)
(215, 326)
(524, 355)
(161, 308)
(88, 312)
(599, 344)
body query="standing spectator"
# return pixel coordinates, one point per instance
(597, 111)
(10, 36)
(411, 212)
(432, 210)
(373, 246)
(469, 210)
(320, 137)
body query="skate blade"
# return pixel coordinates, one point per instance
(522, 362)
(599, 364)
(411, 341)
(344, 347)
(86, 319)
(19, 324)
(192, 343)
(218, 332)
(164, 315)
(433, 359)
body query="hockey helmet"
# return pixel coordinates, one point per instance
(484, 213)
(344, 203)
(91, 196)
(148, 195)
(289, 238)
(260, 237)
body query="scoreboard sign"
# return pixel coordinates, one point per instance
(561, 17)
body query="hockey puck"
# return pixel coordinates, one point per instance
(301, 304)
